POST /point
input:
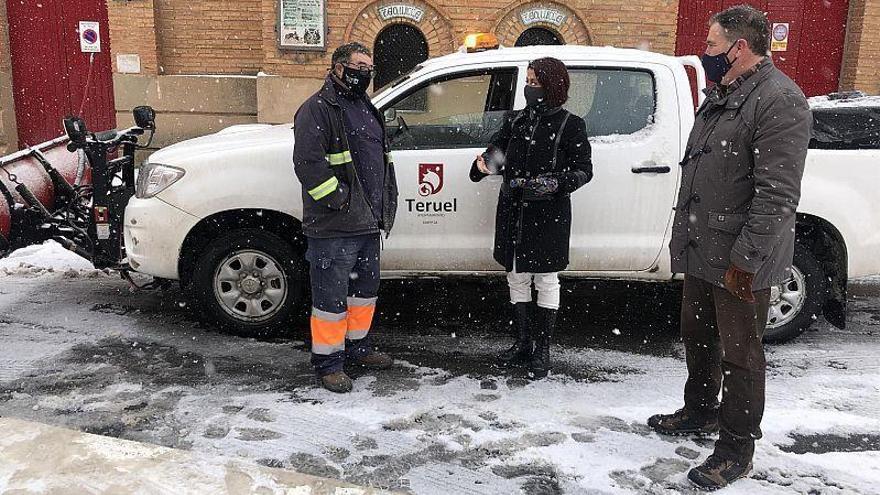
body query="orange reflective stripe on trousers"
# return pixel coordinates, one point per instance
(328, 331)
(360, 316)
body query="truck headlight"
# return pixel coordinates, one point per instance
(154, 178)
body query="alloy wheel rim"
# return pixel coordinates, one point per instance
(787, 299)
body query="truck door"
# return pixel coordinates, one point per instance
(440, 124)
(621, 217)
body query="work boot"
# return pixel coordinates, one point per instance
(337, 382)
(717, 472)
(684, 422)
(375, 361)
(545, 323)
(521, 350)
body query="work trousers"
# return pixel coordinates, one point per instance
(722, 338)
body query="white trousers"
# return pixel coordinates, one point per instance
(546, 283)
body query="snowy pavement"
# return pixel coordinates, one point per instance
(78, 349)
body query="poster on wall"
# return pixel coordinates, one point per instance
(779, 42)
(302, 25)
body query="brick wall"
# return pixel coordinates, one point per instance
(861, 58)
(133, 31)
(239, 37)
(647, 24)
(209, 36)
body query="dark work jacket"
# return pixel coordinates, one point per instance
(334, 202)
(367, 152)
(535, 230)
(741, 181)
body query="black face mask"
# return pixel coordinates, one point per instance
(536, 97)
(357, 80)
(717, 66)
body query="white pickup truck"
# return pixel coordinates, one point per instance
(221, 213)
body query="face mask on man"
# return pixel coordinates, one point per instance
(716, 66)
(535, 97)
(357, 80)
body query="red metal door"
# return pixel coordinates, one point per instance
(791, 12)
(817, 30)
(49, 70)
(693, 19)
(821, 48)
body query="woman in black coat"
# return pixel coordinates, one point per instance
(544, 155)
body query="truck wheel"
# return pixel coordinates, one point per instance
(249, 282)
(796, 303)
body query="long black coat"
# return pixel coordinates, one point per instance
(537, 231)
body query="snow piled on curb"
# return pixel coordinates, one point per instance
(48, 257)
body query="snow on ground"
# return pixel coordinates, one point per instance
(47, 257)
(86, 353)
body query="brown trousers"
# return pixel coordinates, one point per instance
(722, 339)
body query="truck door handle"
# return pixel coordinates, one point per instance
(652, 169)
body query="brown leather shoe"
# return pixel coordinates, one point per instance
(374, 360)
(337, 382)
(717, 472)
(684, 422)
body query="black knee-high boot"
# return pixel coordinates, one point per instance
(521, 351)
(545, 324)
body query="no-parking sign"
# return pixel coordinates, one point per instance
(779, 39)
(89, 37)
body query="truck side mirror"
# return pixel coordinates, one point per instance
(75, 128)
(390, 115)
(145, 117)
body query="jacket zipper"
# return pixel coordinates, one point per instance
(522, 203)
(354, 170)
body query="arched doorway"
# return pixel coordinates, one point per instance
(538, 36)
(398, 48)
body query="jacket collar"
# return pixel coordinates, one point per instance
(738, 95)
(328, 91)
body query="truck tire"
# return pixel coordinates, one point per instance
(796, 303)
(250, 282)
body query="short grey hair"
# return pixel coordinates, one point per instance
(342, 55)
(745, 22)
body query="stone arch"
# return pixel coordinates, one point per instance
(434, 24)
(572, 31)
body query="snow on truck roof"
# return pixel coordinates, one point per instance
(564, 52)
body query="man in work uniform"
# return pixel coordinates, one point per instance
(349, 192)
(733, 237)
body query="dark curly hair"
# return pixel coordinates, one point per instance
(342, 55)
(553, 76)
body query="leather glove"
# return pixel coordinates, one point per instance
(543, 185)
(739, 283)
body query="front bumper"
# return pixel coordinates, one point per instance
(154, 234)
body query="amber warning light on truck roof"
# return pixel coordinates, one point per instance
(479, 42)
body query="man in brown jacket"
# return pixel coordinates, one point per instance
(733, 237)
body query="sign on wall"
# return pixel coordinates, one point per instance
(779, 39)
(410, 12)
(89, 37)
(542, 14)
(302, 25)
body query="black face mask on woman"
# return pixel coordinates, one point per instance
(536, 97)
(357, 80)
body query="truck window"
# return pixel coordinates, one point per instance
(612, 101)
(460, 110)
